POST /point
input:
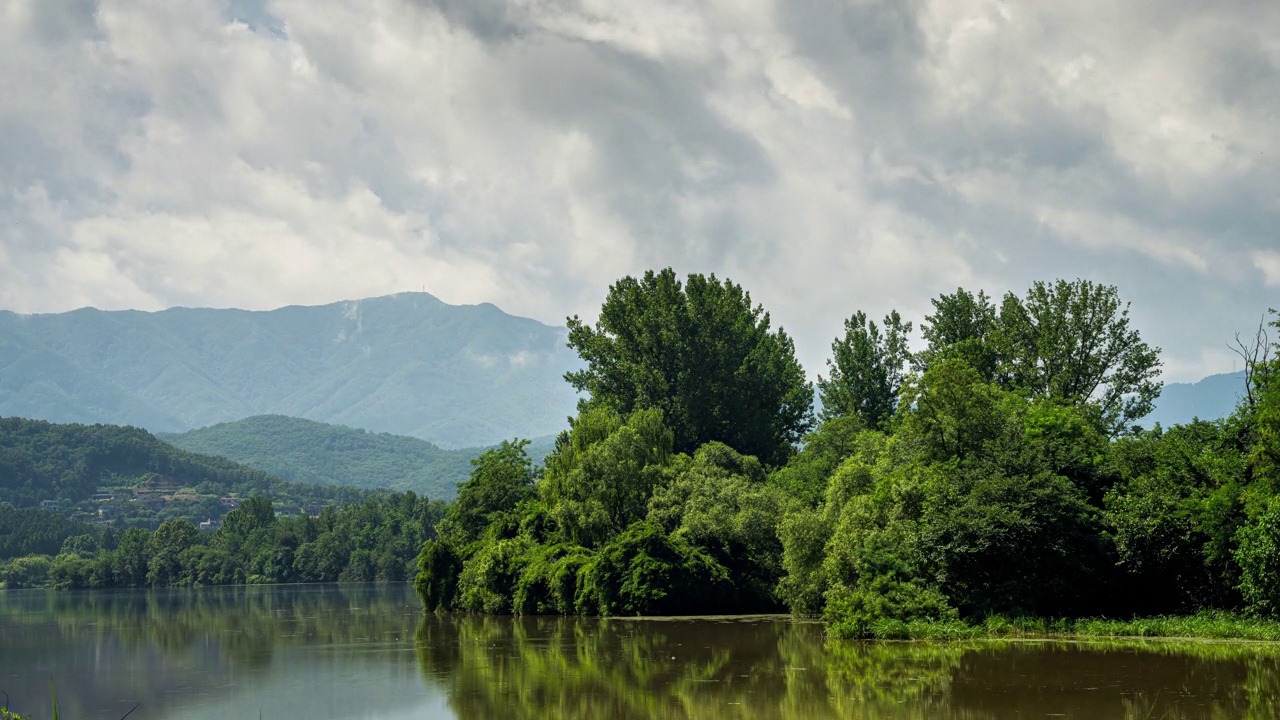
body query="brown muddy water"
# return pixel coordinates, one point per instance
(327, 652)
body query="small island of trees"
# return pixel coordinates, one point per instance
(1002, 471)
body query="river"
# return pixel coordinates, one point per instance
(326, 652)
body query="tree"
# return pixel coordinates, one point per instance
(866, 370)
(702, 354)
(599, 481)
(1071, 342)
(1264, 458)
(501, 479)
(963, 326)
(165, 547)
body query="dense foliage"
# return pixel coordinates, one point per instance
(702, 354)
(999, 472)
(377, 539)
(305, 451)
(31, 531)
(153, 481)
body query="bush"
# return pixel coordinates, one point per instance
(1259, 558)
(645, 571)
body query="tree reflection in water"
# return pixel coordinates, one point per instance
(501, 667)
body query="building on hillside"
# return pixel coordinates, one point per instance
(287, 512)
(6, 503)
(209, 525)
(103, 495)
(230, 502)
(49, 504)
(107, 512)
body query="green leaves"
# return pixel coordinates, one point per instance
(1259, 558)
(1067, 341)
(1071, 342)
(501, 479)
(866, 370)
(703, 355)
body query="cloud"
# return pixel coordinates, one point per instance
(1268, 262)
(831, 155)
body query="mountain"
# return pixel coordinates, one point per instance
(1208, 399)
(307, 451)
(409, 364)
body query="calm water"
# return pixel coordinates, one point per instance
(323, 652)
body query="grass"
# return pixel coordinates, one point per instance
(1206, 625)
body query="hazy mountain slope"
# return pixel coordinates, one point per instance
(407, 364)
(306, 451)
(1209, 399)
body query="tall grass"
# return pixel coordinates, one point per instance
(1206, 625)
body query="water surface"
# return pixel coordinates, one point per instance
(329, 652)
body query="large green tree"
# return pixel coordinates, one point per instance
(704, 355)
(963, 326)
(1068, 341)
(866, 369)
(1071, 341)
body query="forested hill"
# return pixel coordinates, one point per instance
(306, 451)
(42, 461)
(458, 376)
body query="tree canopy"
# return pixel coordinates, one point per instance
(866, 369)
(700, 352)
(999, 471)
(1069, 341)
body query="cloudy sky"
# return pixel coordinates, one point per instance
(830, 155)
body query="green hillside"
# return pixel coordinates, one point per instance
(306, 451)
(152, 481)
(409, 364)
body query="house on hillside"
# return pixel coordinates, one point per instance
(230, 502)
(103, 495)
(6, 503)
(287, 512)
(49, 504)
(209, 525)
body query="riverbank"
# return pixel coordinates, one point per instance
(1208, 626)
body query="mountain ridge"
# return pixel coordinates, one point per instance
(1209, 398)
(407, 364)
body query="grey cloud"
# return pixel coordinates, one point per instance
(486, 19)
(830, 156)
(64, 21)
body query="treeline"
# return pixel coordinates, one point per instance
(377, 539)
(1001, 470)
(31, 531)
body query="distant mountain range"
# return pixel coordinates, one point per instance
(409, 364)
(305, 451)
(1208, 399)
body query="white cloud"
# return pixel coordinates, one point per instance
(1268, 262)
(832, 157)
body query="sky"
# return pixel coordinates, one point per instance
(829, 155)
